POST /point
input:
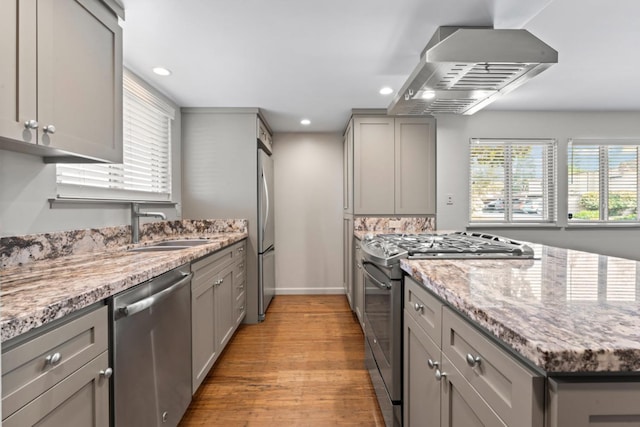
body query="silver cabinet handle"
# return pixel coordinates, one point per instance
(473, 361)
(241, 266)
(49, 129)
(106, 373)
(31, 124)
(241, 286)
(218, 282)
(432, 364)
(440, 375)
(53, 359)
(359, 265)
(241, 249)
(418, 307)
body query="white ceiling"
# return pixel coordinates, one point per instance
(318, 59)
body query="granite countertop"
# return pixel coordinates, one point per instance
(565, 312)
(36, 293)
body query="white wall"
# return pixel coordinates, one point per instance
(454, 132)
(26, 184)
(308, 212)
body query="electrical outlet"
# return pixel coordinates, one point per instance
(449, 199)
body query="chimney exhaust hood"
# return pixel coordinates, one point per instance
(464, 69)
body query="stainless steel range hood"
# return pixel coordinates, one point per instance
(463, 69)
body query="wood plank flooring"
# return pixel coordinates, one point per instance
(303, 366)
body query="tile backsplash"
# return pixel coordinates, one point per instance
(395, 224)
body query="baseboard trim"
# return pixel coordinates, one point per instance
(310, 291)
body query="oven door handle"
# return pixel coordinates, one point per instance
(378, 283)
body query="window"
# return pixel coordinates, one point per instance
(512, 181)
(603, 181)
(145, 173)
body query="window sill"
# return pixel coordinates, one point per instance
(78, 201)
(524, 225)
(601, 225)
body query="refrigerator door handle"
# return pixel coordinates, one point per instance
(266, 218)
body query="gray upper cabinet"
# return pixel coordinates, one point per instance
(394, 161)
(347, 170)
(415, 165)
(61, 85)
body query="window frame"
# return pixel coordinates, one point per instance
(603, 182)
(146, 94)
(550, 169)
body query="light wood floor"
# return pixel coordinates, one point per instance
(303, 366)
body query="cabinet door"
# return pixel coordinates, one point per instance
(347, 254)
(18, 69)
(461, 405)
(204, 348)
(421, 389)
(347, 170)
(373, 165)
(81, 400)
(225, 306)
(358, 284)
(80, 78)
(415, 166)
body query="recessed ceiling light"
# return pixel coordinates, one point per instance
(386, 91)
(161, 71)
(305, 122)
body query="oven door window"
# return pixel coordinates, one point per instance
(377, 303)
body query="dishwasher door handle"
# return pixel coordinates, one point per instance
(143, 304)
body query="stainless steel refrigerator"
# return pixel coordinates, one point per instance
(266, 243)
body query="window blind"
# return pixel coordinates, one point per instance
(603, 180)
(145, 173)
(512, 181)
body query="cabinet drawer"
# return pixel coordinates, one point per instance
(240, 307)
(515, 393)
(424, 308)
(212, 264)
(26, 371)
(80, 400)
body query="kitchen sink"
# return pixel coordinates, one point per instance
(171, 245)
(184, 242)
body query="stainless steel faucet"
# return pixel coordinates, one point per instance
(135, 220)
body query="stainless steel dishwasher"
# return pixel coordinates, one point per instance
(152, 351)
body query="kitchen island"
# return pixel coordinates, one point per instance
(568, 320)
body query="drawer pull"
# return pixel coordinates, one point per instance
(419, 307)
(440, 375)
(432, 364)
(240, 249)
(106, 373)
(241, 266)
(473, 361)
(53, 359)
(218, 282)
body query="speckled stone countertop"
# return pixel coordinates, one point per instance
(35, 293)
(565, 312)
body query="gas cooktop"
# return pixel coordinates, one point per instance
(444, 246)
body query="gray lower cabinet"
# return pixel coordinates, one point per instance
(347, 258)
(58, 375)
(358, 283)
(217, 306)
(476, 382)
(48, 48)
(578, 403)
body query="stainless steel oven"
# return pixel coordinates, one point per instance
(382, 319)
